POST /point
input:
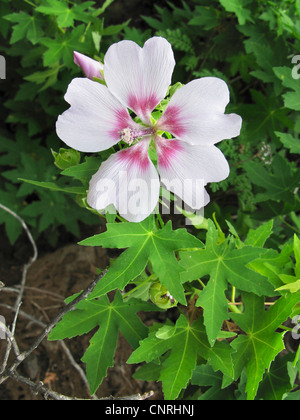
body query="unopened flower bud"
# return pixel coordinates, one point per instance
(66, 158)
(161, 297)
(90, 67)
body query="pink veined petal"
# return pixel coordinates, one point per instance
(195, 113)
(139, 77)
(95, 118)
(128, 180)
(185, 169)
(90, 67)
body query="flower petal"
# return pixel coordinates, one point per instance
(90, 67)
(139, 77)
(185, 169)
(195, 113)
(95, 118)
(129, 181)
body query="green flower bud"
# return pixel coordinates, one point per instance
(161, 297)
(66, 158)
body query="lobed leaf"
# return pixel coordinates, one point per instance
(184, 344)
(110, 317)
(260, 345)
(224, 264)
(145, 244)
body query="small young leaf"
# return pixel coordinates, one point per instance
(292, 287)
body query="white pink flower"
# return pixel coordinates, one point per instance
(137, 80)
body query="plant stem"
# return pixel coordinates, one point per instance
(201, 282)
(159, 218)
(30, 3)
(285, 328)
(233, 294)
(297, 357)
(233, 308)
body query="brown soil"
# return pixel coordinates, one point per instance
(53, 277)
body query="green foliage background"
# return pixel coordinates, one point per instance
(254, 45)
(250, 44)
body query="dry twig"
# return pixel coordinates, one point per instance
(11, 371)
(22, 286)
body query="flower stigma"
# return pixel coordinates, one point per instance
(129, 135)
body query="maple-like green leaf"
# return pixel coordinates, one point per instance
(53, 209)
(204, 376)
(111, 317)
(206, 17)
(289, 141)
(60, 9)
(48, 77)
(276, 382)
(239, 8)
(64, 14)
(260, 344)
(145, 243)
(278, 185)
(291, 98)
(263, 116)
(223, 263)
(62, 48)
(104, 6)
(292, 283)
(13, 227)
(84, 171)
(185, 342)
(26, 26)
(267, 56)
(271, 263)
